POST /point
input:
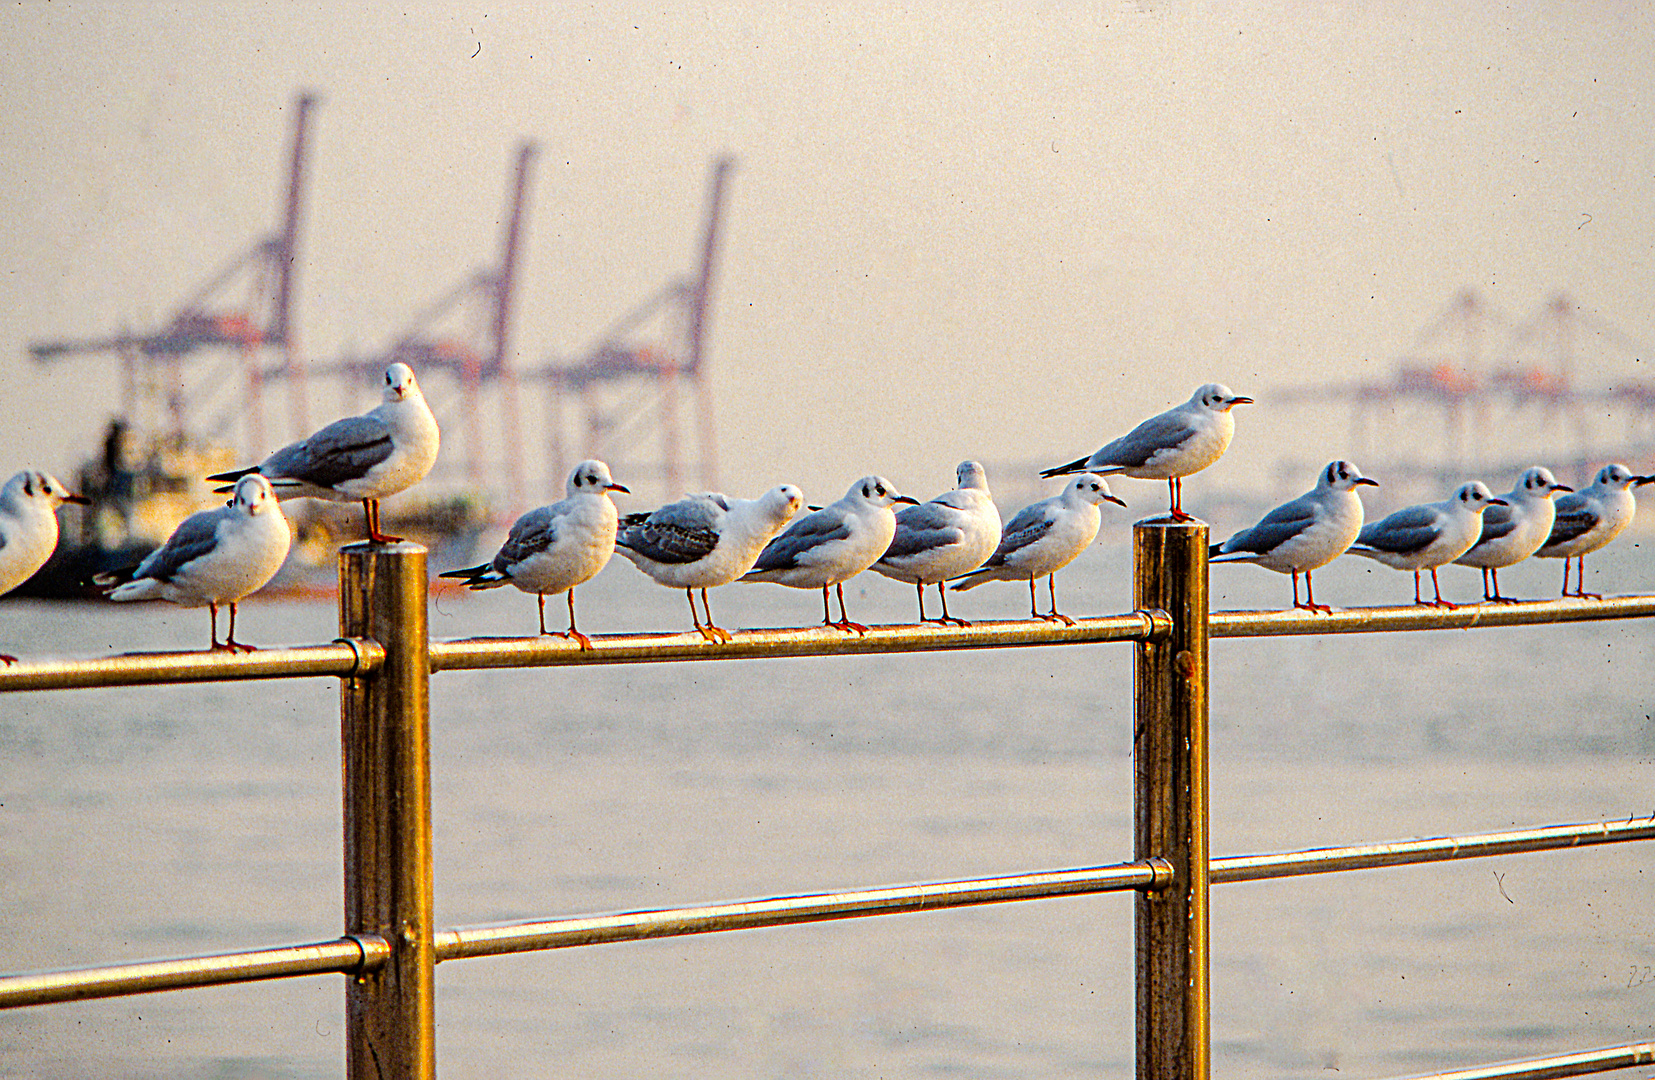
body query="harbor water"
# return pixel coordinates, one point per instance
(180, 820)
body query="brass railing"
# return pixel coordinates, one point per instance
(390, 947)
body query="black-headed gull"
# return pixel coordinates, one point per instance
(554, 548)
(1589, 519)
(28, 527)
(703, 541)
(829, 546)
(1171, 446)
(1427, 536)
(215, 557)
(944, 538)
(1305, 534)
(1043, 538)
(1513, 532)
(360, 458)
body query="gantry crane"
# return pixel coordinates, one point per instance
(626, 386)
(261, 320)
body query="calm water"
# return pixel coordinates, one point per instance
(169, 821)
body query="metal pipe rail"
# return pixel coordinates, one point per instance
(351, 955)
(1590, 1061)
(384, 659)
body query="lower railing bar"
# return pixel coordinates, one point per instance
(342, 658)
(1437, 849)
(347, 955)
(465, 942)
(807, 641)
(1463, 617)
(1590, 1061)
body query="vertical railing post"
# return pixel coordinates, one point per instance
(390, 1014)
(1170, 802)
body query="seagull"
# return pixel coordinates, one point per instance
(1305, 534)
(702, 541)
(1170, 446)
(1515, 531)
(830, 545)
(1589, 519)
(28, 527)
(554, 548)
(216, 556)
(366, 458)
(1043, 538)
(1427, 536)
(944, 538)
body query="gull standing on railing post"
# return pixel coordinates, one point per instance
(28, 527)
(703, 541)
(1589, 519)
(827, 547)
(1043, 538)
(554, 548)
(1171, 446)
(1427, 536)
(216, 556)
(1513, 532)
(944, 538)
(1305, 534)
(360, 458)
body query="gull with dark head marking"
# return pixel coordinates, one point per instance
(1513, 532)
(1588, 519)
(944, 538)
(215, 557)
(554, 548)
(1171, 446)
(1043, 538)
(28, 527)
(360, 458)
(827, 547)
(1305, 534)
(703, 541)
(1427, 536)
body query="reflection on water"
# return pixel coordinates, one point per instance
(168, 821)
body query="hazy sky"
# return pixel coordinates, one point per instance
(1004, 232)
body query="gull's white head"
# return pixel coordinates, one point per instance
(1218, 398)
(40, 489)
(1618, 477)
(971, 474)
(1476, 497)
(878, 491)
(1090, 487)
(1539, 481)
(1343, 476)
(400, 383)
(781, 502)
(592, 477)
(254, 495)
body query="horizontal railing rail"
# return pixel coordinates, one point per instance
(351, 657)
(351, 955)
(365, 952)
(345, 658)
(1549, 1068)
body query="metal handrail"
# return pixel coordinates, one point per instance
(386, 657)
(1589, 1061)
(345, 658)
(351, 657)
(350, 955)
(364, 952)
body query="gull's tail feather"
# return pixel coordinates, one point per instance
(478, 577)
(1078, 465)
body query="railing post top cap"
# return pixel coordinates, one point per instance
(1167, 521)
(368, 547)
